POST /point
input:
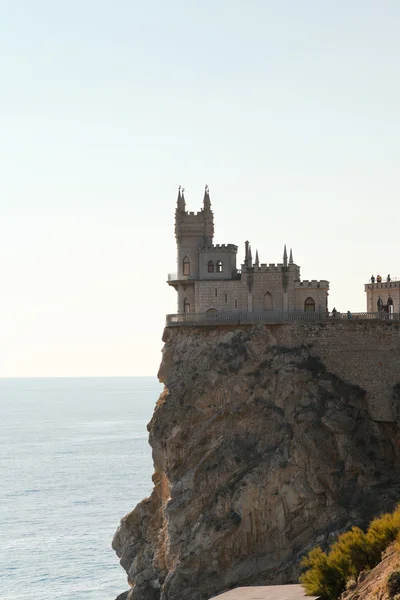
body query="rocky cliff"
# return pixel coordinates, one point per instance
(263, 445)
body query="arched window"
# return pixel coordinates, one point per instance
(216, 292)
(226, 298)
(390, 301)
(212, 311)
(236, 303)
(220, 266)
(186, 266)
(268, 302)
(309, 305)
(186, 306)
(210, 266)
(379, 304)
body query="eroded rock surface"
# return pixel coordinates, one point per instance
(259, 454)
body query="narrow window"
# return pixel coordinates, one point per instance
(186, 306)
(226, 298)
(210, 266)
(268, 302)
(216, 292)
(309, 305)
(236, 303)
(220, 266)
(186, 266)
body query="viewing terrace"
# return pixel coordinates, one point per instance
(271, 318)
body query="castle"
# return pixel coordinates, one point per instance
(208, 280)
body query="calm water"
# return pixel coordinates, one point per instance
(74, 459)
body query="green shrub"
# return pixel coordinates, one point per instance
(321, 577)
(393, 584)
(354, 551)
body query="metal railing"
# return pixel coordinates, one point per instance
(179, 277)
(272, 318)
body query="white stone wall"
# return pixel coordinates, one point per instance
(383, 290)
(228, 259)
(318, 294)
(207, 298)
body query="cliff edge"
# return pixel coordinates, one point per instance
(264, 444)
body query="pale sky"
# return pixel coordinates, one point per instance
(288, 110)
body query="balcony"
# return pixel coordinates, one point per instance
(176, 277)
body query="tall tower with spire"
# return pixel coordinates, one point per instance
(192, 231)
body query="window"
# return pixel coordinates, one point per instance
(210, 266)
(186, 266)
(309, 305)
(186, 306)
(379, 304)
(220, 266)
(236, 304)
(268, 302)
(226, 298)
(216, 292)
(212, 311)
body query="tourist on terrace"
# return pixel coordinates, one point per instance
(388, 278)
(334, 311)
(379, 279)
(348, 314)
(372, 279)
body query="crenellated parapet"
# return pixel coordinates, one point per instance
(312, 283)
(219, 248)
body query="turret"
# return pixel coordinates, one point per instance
(192, 231)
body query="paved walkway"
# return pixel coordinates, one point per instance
(271, 592)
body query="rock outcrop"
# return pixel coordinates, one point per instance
(260, 452)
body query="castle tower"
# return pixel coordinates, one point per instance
(192, 231)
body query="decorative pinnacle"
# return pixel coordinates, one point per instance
(206, 200)
(285, 256)
(291, 257)
(181, 199)
(257, 261)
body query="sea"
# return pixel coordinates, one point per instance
(74, 459)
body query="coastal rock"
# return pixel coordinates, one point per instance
(259, 451)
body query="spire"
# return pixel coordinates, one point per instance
(206, 200)
(181, 205)
(257, 261)
(291, 257)
(285, 257)
(246, 252)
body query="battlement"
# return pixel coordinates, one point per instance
(313, 283)
(272, 267)
(219, 248)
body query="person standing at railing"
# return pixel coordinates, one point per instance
(334, 311)
(348, 314)
(378, 279)
(388, 278)
(372, 279)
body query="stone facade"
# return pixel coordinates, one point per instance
(208, 279)
(386, 291)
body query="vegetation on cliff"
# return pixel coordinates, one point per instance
(354, 551)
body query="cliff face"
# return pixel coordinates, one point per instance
(260, 452)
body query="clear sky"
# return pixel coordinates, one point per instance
(288, 110)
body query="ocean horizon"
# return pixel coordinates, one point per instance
(74, 459)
